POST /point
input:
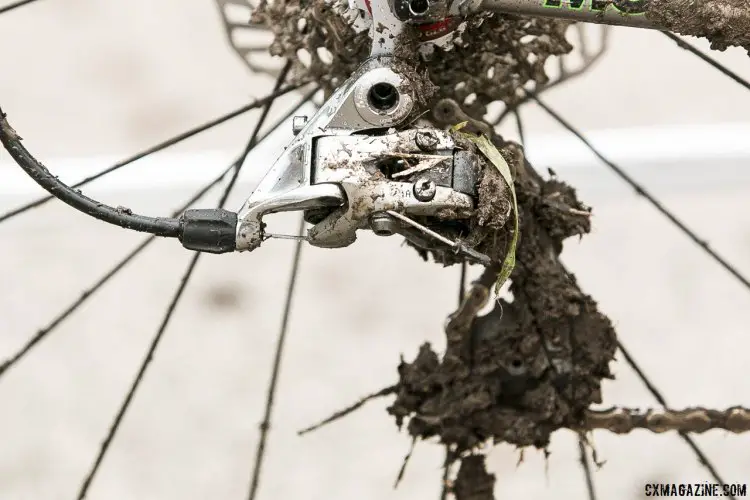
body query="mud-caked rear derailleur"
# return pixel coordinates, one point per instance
(348, 169)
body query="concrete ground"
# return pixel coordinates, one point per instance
(81, 79)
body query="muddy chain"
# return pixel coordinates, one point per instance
(698, 420)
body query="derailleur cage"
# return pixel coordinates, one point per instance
(392, 172)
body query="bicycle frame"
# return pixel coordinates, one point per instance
(720, 21)
(632, 13)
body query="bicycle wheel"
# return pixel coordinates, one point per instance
(191, 429)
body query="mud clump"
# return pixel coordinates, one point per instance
(473, 482)
(533, 364)
(724, 23)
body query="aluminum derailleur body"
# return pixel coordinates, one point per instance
(345, 179)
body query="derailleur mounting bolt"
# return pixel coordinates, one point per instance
(298, 123)
(426, 141)
(424, 189)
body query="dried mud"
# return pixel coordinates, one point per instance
(473, 482)
(487, 229)
(533, 364)
(723, 22)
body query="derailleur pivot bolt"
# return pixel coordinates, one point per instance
(382, 225)
(426, 141)
(298, 123)
(424, 189)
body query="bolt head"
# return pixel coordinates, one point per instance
(425, 189)
(426, 141)
(298, 123)
(382, 225)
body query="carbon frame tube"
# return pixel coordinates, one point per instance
(631, 13)
(724, 23)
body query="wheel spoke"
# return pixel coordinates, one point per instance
(338, 415)
(156, 148)
(448, 460)
(699, 454)
(89, 292)
(639, 189)
(15, 5)
(119, 266)
(446, 474)
(710, 60)
(114, 426)
(679, 41)
(237, 167)
(586, 466)
(702, 458)
(462, 283)
(519, 126)
(265, 426)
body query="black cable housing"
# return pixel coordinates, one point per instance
(123, 217)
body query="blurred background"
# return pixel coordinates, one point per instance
(89, 82)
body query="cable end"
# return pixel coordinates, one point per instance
(212, 230)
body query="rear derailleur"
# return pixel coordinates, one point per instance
(349, 168)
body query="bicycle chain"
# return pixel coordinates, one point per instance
(699, 420)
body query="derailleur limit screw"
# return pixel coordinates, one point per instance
(298, 123)
(426, 141)
(424, 189)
